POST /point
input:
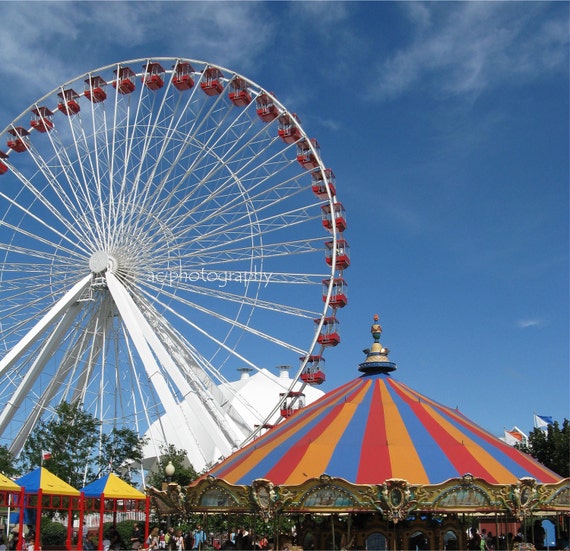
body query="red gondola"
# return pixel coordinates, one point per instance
(308, 157)
(329, 335)
(321, 184)
(42, 119)
(20, 140)
(342, 254)
(288, 130)
(94, 89)
(211, 82)
(68, 104)
(336, 217)
(313, 373)
(266, 110)
(124, 81)
(293, 402)
(239, 94)
(339, 298)
(3, 166)
(154, 75)
(182, 79)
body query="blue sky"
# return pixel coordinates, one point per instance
(446, 124)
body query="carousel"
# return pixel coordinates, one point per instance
(376, 465)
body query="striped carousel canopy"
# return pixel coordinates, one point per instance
(375, 428)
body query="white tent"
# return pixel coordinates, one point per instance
(254, 396)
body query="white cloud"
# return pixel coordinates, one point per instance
(45, 44)
(530, 322)
(466, 47)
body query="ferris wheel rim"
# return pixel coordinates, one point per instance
(100, 259)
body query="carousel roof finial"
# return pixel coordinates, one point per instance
(377, 356)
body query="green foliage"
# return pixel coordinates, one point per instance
(70, 436)
(125, 529)
(119, 446)
(52, 534)
(7, 463)
(183, 473)
(551, 447)
(79, 453)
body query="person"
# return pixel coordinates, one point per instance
(136, 536)
(88, 543)
(115, 542)
(152, 541)
(178, 540)
(539, 535)
(474, 542)
(199, 538)
(169, 539)
(13, 540)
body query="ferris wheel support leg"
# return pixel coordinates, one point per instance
(63, 303)
(29, 379)
(127, 310)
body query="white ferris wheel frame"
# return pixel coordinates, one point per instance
(169, 361)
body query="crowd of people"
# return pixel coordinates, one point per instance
(177, 540)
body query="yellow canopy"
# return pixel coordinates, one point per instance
(112, 486)
(50, 484)
(7, 485)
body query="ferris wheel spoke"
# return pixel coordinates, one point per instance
(241, 254)
(275, 223)
(204, 152)
(234, 323)
(13, 306)
(88, 175)
(37, 240)
(136, 146)
(76, 174)
(211, 337)
(67, 209)
(241, 299)
(279, 220)
(41, 220)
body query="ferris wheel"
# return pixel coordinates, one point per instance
(163, 223)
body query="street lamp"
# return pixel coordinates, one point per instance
(169, 471)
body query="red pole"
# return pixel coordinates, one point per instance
(69, 536)
(81, 517)
(22, 503)
(147, 518)
(38, 519)
(101, 516)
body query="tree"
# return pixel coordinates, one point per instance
(7, 464)
(69, 436)
(120, 448)
(79, 453)
(551, 447)
(183, 473)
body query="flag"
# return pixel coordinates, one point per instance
(542, 421)
(46, 455)
(515, 436)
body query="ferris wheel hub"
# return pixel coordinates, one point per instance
(102, 261)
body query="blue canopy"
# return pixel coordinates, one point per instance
(111, 486)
